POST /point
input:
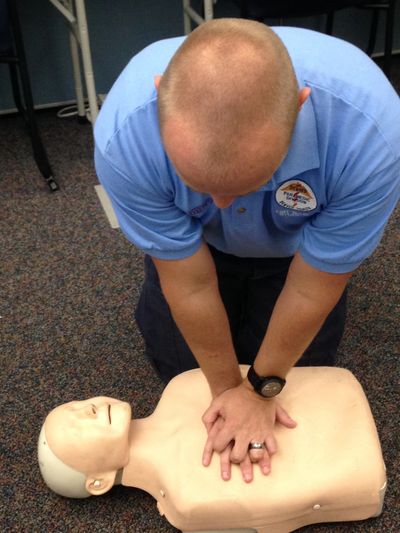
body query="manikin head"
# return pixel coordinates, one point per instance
(228, 103)
(83, 445)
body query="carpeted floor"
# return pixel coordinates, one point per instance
(68, 288)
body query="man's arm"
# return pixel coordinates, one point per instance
(190, 287)
(307, 298)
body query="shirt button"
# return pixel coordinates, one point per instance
(241, 210)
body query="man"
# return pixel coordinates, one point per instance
(257, 172)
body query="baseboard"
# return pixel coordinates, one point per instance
(40, 107)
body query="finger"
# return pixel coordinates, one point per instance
(271, 445)
(246, 466)
(225, 463)
(240, 451)
(256, 454)
(223, 439)
(284, 418)
(207, 452)
(209, 446)
(265, 463)
(210, 416)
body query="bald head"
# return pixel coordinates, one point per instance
(228, 102)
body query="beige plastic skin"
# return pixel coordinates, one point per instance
(329, 468)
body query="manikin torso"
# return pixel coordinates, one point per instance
(329, 468)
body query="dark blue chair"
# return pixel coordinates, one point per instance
(263, 9)
(12, 52)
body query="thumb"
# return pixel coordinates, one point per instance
(283, 418)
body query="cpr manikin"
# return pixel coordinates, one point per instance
(329, 468)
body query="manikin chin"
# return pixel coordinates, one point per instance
(328, 469)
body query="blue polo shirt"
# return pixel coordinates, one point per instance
(330, 198)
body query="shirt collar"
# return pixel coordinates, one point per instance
(303, 150)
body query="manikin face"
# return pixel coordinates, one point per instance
(91, 435)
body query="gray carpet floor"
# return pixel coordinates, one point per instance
(68, 286)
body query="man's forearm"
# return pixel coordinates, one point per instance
(293, 325)
(301, 309)
(190, 287)
(202, 320)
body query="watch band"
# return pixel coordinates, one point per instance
(260, 382)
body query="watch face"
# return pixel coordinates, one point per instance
(271, 388)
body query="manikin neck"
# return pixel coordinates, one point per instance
(146, 439)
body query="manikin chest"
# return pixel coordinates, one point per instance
(329, 468)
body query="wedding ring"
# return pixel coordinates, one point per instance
(256, 446)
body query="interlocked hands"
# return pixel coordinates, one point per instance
(235, 419)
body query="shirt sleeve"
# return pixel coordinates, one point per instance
(147, 214)
(349, 229)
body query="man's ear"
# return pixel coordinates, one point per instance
(100, 483)
(157, 80)
(303, 95)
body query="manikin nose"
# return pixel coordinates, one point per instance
(223, 201)
(88, 410)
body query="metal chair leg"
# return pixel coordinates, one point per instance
(329, 23)
(13, 67)
(187, 21)
(37, 145)
(389, 37)
(372, 32)
(39, 152)
(86, 59)
(77, 77)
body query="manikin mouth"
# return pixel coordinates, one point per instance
(109, 412)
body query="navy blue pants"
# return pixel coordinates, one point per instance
(249, 288)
